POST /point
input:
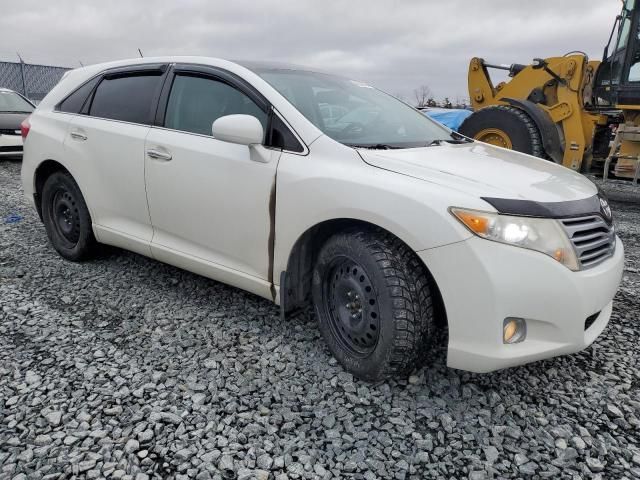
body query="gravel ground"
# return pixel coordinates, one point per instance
(126, 368)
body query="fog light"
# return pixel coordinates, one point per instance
(514, 330)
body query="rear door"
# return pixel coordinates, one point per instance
(211, 201)
(105, 146)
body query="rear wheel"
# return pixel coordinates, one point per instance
(373, 303)
(66, 217)
(506, 127)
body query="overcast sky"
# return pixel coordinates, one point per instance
(394, 45)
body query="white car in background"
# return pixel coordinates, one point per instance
(391, 225)
(14, 108)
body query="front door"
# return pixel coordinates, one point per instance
(210, 200)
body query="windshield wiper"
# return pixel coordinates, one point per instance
(376, 146)
(459, 138)
(13, 111)
(453, 141)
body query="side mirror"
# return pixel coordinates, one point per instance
(240, 129)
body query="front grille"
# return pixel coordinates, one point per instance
(590, 320)
(593, 238)
(15, 148)
(9, 132)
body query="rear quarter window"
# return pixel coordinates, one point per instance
(74, 102)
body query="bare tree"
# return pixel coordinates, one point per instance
(422, 95)
(461, 102)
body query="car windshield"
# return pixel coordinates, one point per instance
(354, 113)
(14, 103)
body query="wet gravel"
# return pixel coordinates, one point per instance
(126, 368)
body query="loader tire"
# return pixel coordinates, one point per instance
(506, 127)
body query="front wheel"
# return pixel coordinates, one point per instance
(374, 304)
(66, 217)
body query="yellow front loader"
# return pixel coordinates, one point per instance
(566, 109)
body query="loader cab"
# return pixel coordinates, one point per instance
(618, 78)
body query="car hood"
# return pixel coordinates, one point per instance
(485, 171)
(12, 121)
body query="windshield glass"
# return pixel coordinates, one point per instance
(12, 102)
(625, 25)
(354, 113)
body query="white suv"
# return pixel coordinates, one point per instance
(389, 224)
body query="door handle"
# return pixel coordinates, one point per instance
(78, 136)
(159, 155)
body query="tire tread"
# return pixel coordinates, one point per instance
(537, 148)
(86, 246)
(408, 284)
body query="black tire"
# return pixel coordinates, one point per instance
(394, 320)
(520, 128)
(66, 217)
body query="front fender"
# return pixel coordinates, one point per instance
(315, 189)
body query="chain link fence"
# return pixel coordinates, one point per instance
(33, 81)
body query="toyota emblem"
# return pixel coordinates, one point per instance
(606, 209)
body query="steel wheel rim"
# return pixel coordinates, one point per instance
(352, 307)
(494, 136)
(66, 217)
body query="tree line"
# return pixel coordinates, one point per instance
(423, 97)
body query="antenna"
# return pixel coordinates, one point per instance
(21, 60)
(80, 62)
(140, 52)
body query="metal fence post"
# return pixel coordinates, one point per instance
(32, 80)
(24, 83)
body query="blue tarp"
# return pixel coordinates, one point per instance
(449, 117)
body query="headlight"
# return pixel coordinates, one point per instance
(543, 235)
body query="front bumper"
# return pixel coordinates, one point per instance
(10, 145)
(483, 282)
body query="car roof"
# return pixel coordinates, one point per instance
(265, 65)
(73, 78)
(252, 65)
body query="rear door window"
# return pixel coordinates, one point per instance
(127, 98)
